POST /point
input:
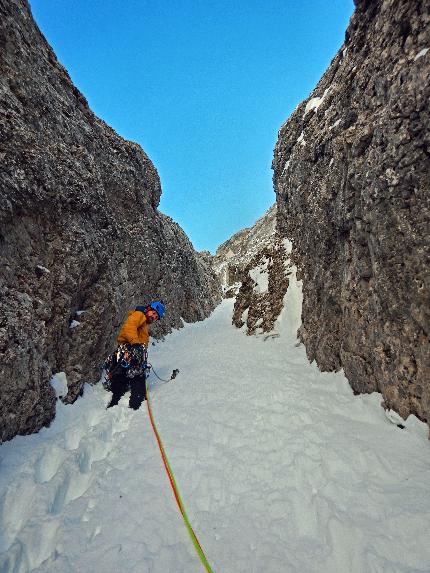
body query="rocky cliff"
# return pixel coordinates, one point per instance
(352, 175)
(254, 266)
(263, 284)
(235, 254)
(81, 239)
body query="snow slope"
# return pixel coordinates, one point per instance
(280, 467)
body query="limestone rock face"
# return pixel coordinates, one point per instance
(253, 266)
(81, 239)
(264, 283)
(233, 255)
(352, 175)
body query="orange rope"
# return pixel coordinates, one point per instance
(176, 491)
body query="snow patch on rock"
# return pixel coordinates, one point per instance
(315, 102)
(59, 383)
(260, 277)
(421, 54)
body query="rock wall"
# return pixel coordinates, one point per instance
(81, 239)
(352, 175)
(264, 283)
(236, 253)
(254, 266)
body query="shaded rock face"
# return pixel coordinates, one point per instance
(253, 266)
(233, 255)
(351, 175)
(81, 240)
(264, 283)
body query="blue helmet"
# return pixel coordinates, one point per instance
(158, 307)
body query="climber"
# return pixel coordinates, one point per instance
(126, 368)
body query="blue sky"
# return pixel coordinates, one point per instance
(202, 86)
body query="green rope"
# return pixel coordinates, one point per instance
(176, 490)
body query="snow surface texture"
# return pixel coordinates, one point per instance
(281, 469)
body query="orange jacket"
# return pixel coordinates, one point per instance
(134, 330)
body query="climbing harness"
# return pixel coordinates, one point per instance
(172, 480)
(130, 359)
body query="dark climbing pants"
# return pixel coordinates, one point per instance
(119, 386)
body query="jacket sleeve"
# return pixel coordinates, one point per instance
(133, 322)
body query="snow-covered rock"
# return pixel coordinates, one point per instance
(264, 283)
(253, 268)
(234, 255)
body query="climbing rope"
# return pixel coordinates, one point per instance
(172, 377)
(172, 480)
